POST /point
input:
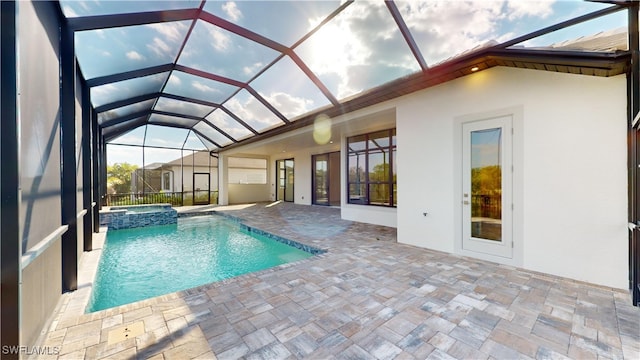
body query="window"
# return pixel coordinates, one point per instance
(247, 171)
(372, 169)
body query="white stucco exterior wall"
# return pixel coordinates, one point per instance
(570, 176)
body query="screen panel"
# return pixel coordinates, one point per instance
(39, 102)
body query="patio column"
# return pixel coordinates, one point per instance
(633, 156)
(10, 246)
(95, 169)
(68, 147)
(223, 180)
(86, 168)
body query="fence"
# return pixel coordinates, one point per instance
(173, 198)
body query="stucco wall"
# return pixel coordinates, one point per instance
(570, 186)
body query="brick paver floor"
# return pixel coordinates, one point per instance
(368, 297)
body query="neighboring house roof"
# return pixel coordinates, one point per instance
(606, 41)
(153, 166)
(201, 159)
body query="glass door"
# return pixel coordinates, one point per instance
(326, 179)
(285, 180)
(486, 189)
(321, 179)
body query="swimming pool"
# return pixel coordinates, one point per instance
(141, 263)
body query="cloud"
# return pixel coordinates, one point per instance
(519, 9)
(134, 55)
(363, 35)
(175, 81)
(160, 48)
(250, 70)
(290, 106)
(204, 88)
(171, 31)
(251, 111)
(182, 107)
(69, 12)
(129, 138)
(444, 29)
(232, 11)
(220, 40)
(229, 125)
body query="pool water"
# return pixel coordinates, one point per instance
(141, 263)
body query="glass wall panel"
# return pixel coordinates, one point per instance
(182, 107)
(371, 165)
(161, 177)
(358, 194)
(378, 166)
(39, 124)
(225, 122)
(121, 90)
(218, 51)
(123, 171)
(253, 112)
(164, 136)
(133, 137)
(160, 119)
(193, 142)
(604, 34)
(115, 50)
(124, 111)
(357, 164)
(289, 90)
(379, 194)
(446, 29)
(197, 87)
(379, 140)
(74, 8)
(208, 144)
(118, 129)
(212, 133)
(357, 143)
(360, 48)
(287, 22)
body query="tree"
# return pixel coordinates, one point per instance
(119, 177)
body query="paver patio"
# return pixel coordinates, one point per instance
(368, 297)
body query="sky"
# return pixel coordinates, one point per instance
(358, 49)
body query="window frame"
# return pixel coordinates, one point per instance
(390, 182)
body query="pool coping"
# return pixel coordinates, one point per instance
(78, 300)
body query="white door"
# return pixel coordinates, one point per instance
(487, 186)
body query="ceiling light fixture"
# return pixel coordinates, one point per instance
(475, 68)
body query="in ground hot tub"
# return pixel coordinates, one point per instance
(133, 216)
